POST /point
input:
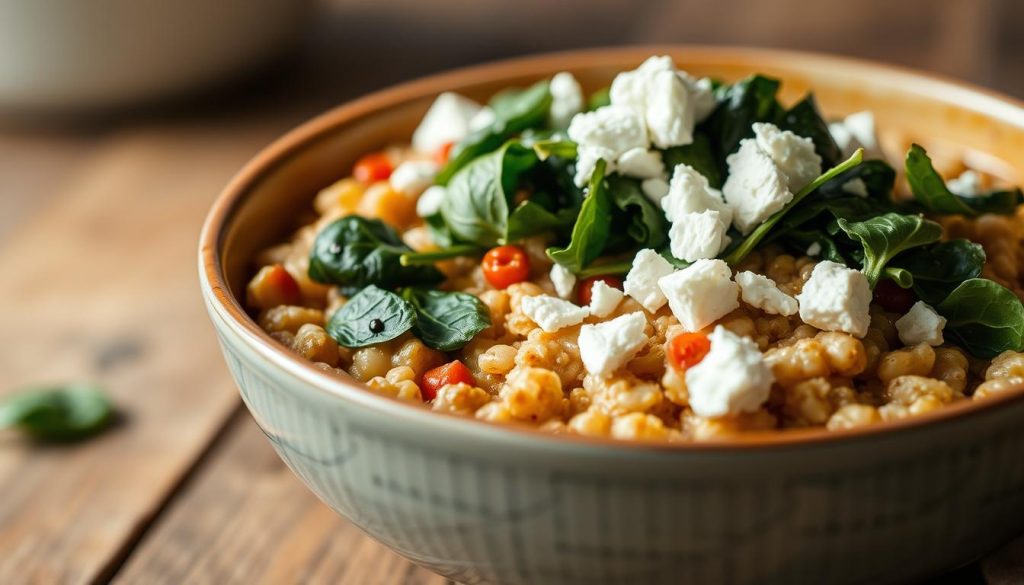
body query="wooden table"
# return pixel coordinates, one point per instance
(98, 229)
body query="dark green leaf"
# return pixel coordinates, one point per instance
(514, 111)
(644, 223)
(447, 321)
(740, 105)
(372, 316)
(599, 99)
(1001, 202)
(940, 268)
(879, 179)
(984, 318)
(439, 232)
(929, 189)
(591, 230)
(699, 155)
(799, 240)
(531, 218)
(805, 120)
(66, 413)
(885, 236)
(354, 252)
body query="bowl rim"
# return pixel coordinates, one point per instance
(219, 219)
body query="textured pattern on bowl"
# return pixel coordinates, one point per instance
(486, 504)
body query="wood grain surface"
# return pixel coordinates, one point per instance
(98, 227)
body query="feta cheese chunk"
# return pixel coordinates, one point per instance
(968, 184)
(413, 177)
(793, 154)
(605, 347)
(642, 281)
(836, 298)
(552, 313)
(762, 292)
(655, 189)
(586, 161)
(431, 200)
(640, 163)
(697, 235)
(566, 99)
(701, 293)
(447, 120)
(756, 187)
(689, 192)
(856, 131)
(604, 298)
(731, 379)
(563, 280)
(605, 133)
(921, 325)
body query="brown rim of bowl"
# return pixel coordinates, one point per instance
(266, 161)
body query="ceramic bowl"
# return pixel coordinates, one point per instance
(481, 503)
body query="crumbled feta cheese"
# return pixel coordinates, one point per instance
(566, 99)
(605, 133)
(968, 184)
(605, 347)
(701, 293)
(702, 92)
(856, 187)
(793, 154)
(413, 176)
(640, 163)
(698, 234)
(921, 325)
(552, 313)
(484, 118)
(655, 189)
(447, 120)
(762, 292)
(814, 249)
(689, 192)
(669, 100)
(836, 298)
(604, 298)
(431, 200)
(586, 161)
(756, 188)
(642, 281)
(563, 280)
(731, 379)
(856, 131)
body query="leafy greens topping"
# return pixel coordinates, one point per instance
(984, 317)
(885, 236)
(932, 194)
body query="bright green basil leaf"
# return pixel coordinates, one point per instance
(354, 252)
(984, 318)
(65, 413)
(514, 111)
(447, 321)
(940, 268)
(878, 176)
(599, 99)
(476, 209)
(930, 191)
(699, 155)
(740, 105)
(762, 231)
(372, 316)
(805, 120)
(643, 222)
(590, 233)
(885, 236)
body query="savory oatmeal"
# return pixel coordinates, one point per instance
(668, 258)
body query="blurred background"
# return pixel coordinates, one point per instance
(120, 120)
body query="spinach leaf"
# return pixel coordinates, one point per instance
(929, 189)
(885, 236)
(560, 148)
(1001, 202)
(804, 119)
(65, 413)
(439, 232)
(514, 111)
(760, 232)
(798, 240)
(599, 99)
(740, 105)
(879, 179)
(644, 223)
(372, 316)
(984, 318)
(700, 155)
(476, 209)
(940, 268)
(591, 230)
(354, 252)
(447, 321)
(531, 218)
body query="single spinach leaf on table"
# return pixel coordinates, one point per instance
(63, 413)
(804, 119)
(699, 154)
(354, 252)
(740, 105)
(940, 268)
(446, 321)
(885, 236)
(591, 231)
(984, 318)
(932, 194)
(372, 316)
(514, 111)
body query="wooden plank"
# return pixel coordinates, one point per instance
(102, 285)
(245, 518)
